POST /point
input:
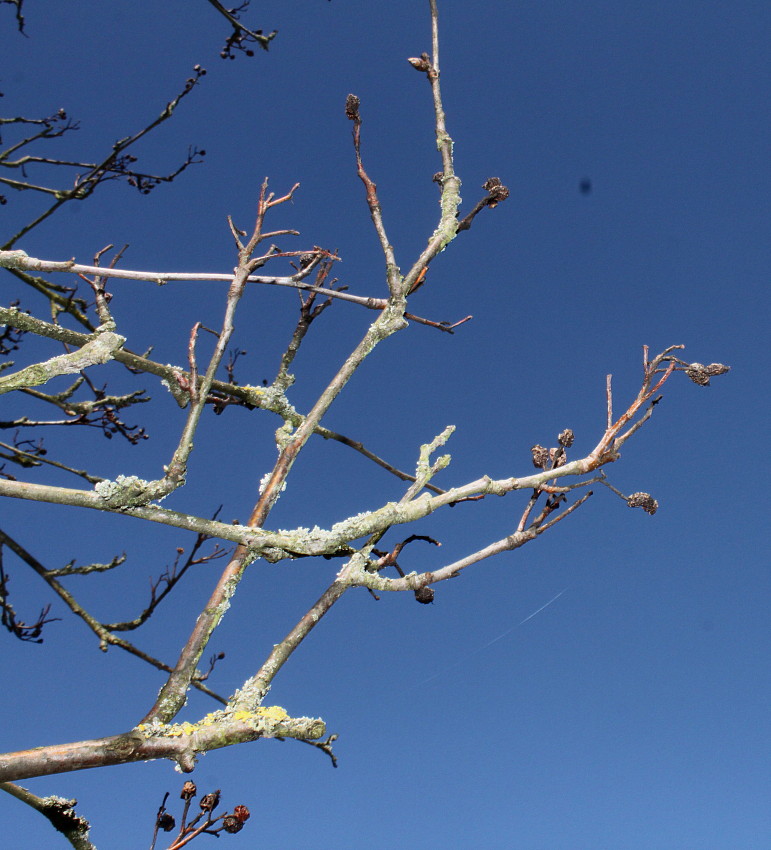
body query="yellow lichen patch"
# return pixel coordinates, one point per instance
(272, 712)
(242, 715)
(211, 718)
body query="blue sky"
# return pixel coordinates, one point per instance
(632, 711)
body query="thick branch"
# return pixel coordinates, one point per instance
(181, 743)
(100, 349)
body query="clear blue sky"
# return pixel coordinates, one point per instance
(633, 711)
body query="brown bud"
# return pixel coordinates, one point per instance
(496, 196)
(210, 801)
(644, 501)
(231, 824)
(716, 369)
(242, 813)
(497, 192)
(425, 595)
(566, 438)
(697, 372)
(540, 456)
(166, 822)
(700, 374)
(422, 64)
(352, 107)
(188, 790)
(557, 457)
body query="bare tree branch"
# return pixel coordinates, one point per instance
(548, 491)
(117, 164)
(241, 38)
(59, 812)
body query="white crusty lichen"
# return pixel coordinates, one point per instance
(124, 491)
(301, 532)
(12, 259)
(174, 386)
(264, 483)
(98, 350)
(350, 523)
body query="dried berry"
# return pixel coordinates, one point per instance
(496, 191)
(698, 374)
(188, 790)
(242, 813)
(540, 456)
(210, 801)
(352, 107)
(425, 595)
(166, 822)
(566, 438)
(557, 457)
(231, 824)
(644, 501)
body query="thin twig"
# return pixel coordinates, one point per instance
(106, 638)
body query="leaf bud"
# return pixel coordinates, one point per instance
(421, 64)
